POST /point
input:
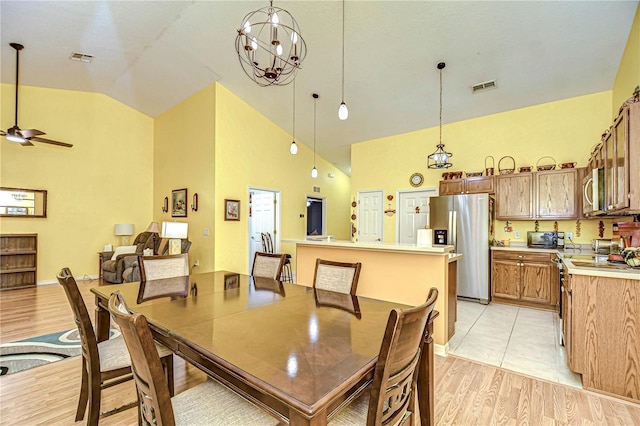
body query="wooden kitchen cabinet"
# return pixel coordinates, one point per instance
(543, 195)
(524, 278)
(18, 260)
(471, 185)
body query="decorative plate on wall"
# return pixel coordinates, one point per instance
(416, 179)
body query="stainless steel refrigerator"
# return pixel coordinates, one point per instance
(464, 221)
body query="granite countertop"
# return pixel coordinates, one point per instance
(408, 248)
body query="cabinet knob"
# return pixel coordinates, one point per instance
(520, 256)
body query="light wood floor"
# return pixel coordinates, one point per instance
(466, 392)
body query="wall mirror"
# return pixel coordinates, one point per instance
(18, 202)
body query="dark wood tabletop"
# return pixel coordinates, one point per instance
(301, 361)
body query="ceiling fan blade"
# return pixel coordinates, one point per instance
(26, 143)
(29, 133)
(37, 139)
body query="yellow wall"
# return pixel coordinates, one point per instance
(565, 130)
(628, 77)
(183, 158)
(103, 180)
(251, 151)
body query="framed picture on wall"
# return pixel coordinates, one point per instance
(179, 202)
(231, 209)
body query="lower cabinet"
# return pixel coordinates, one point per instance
(524, 278)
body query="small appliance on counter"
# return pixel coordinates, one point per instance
(604, 246)
(547, 240)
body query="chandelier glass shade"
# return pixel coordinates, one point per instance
(270, 46)
(440, 158)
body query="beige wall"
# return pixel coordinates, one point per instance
(257, 155)
(103, 180)
(566, 130)
(184, 156)
(628, 76)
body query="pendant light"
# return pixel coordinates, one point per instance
(343, 112)
(314, 171)
(440, 158)
(293, 148)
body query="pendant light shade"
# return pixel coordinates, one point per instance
(314, 171)
(293, 149)
(343, 111)
(440, 158)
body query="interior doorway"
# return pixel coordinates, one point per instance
(264, 216)
(316, 215)
(413, 213)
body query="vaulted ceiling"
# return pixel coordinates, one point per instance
(152, 55)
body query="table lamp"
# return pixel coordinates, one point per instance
(155, 229)
(175, 231)
(123, 230)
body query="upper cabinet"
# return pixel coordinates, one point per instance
(540, 195)
(470, 185)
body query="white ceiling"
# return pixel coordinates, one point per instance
(151, 55)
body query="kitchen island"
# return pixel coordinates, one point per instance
(393, 272)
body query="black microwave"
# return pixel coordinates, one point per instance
(549, 240)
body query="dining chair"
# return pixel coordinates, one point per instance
(158, 267)
(208, 403)
(104, 364)
(267, 265)
(392, 397)
(341, 277)
(267, 247)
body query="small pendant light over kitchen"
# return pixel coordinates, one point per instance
(314, 171)
(440, 158)
(343, 112)
(293, 149)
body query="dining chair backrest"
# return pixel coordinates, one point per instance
(159, 267)
(340, 277)
(268, 265)
(393, 390)
(88, 339)
(153, 393)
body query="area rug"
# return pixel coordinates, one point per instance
(41, 350)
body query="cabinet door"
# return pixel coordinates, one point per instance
(514, 196)
(480, 185)
(451, 187)
(556, 194)
(536, 282)
(505, 279)
(620, 198)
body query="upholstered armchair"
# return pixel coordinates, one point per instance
(114, 266)
(131, 271)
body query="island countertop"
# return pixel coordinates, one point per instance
(405, 248)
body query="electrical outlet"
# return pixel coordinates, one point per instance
(569, 235)
(516, 235)
(196, 263)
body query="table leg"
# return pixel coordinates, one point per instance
(425, 378)
(103, 322)
(296, 419)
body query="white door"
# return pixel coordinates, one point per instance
(413, 214)
(370, 216)
(262, 205)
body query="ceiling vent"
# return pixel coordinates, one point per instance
(491, 84)
(81, 57)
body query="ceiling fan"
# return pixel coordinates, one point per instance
(26, 136)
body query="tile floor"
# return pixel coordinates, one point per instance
(519, 339)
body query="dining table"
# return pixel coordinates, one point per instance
(277, 345)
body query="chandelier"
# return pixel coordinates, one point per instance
(270, 46)
(440, 158)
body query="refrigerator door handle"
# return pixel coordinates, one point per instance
(452, 228)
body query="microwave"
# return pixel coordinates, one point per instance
(548, 240)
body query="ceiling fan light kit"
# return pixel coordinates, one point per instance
(440, 158)
(270, 46)
(15, 134)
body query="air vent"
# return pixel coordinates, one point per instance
(316, 189)
(82, 57)
(484, 86)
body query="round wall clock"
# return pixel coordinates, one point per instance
(416, 179)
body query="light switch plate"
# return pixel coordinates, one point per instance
(516, 235)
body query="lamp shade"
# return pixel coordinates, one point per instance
(123, 229)
(153, 227)
(175, 230)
